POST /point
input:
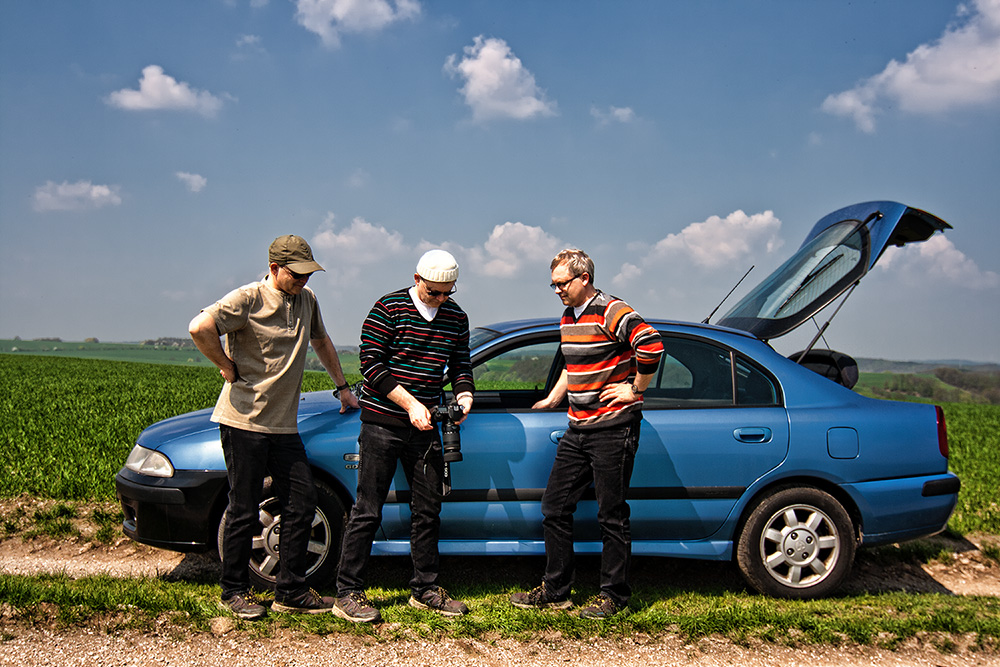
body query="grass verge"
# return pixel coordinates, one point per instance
(884, 620)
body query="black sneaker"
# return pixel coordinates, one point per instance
(437, 599)
(539, 598)
(245, 606)
(307, 602)
(356, 608)
(600, 607)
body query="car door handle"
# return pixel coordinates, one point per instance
(555, 436)
(753, 434)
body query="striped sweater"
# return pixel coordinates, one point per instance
(400, 348)
(609, 343)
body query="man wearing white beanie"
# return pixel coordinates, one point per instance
(408, 339)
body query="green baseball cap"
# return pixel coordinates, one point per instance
(294, 253)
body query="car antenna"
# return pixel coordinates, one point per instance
(705, 321)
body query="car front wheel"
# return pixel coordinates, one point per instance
(324, 539)
(797, 543)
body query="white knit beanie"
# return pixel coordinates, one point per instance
(438, 266)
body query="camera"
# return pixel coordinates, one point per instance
(448, 415)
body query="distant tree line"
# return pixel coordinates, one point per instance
(981, 383)
(946, 385)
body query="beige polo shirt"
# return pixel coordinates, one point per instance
(267, 336)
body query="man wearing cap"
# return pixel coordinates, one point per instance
(407, 340)
(268, 327)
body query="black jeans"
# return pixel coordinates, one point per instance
(381, 448)
(249, 456)
(605, 457)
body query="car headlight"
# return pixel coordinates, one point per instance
(147, 462)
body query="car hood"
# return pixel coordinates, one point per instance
(191, 424)
(840, 250)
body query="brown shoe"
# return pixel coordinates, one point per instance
(437, 599)
(245, 606)
(308, 602)
(356, 608)
(539, 598)
(600, 608)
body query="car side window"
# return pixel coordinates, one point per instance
(753, 387)
(692, 373)
(516, 377)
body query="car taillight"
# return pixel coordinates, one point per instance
(942, 432)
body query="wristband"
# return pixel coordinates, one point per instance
(342, 387)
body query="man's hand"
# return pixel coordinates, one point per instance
(348, 401)
(420, 416)
(230, 372)
(616, 394)
(465, 401)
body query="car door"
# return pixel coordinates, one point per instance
(713, 424)
(507, 447)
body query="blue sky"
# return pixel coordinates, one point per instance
(150, 152)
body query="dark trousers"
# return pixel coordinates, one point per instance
(605, 458)
(249, 457)
(381, 448)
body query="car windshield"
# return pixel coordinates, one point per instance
(813, 277)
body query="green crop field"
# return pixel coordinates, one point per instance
(66, 426)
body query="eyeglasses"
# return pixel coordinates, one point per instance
(563, 284)
(437, 293)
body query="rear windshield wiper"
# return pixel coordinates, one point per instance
(808, 279)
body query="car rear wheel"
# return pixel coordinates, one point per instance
(324, 540)
(797, 543)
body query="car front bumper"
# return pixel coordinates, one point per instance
(180, 513)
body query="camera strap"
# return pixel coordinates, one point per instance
(445, 477)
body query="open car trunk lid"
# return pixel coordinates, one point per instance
(839, 250)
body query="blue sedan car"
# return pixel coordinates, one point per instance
(746, 455)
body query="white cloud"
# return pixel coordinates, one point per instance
(330, 18)
(358, 179)
(960, 69)
(719, 242)
(497, 85)
(511, 247)
(345, 253)
(936, 260)
(194, 182)
(613, 115)
(251, 41)
(158, 90)
(78, 196)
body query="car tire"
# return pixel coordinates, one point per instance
(797, 543)
(324, 541)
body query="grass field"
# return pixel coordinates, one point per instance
(66, 426)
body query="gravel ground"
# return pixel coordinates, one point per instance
(968, 573)
(88, 648)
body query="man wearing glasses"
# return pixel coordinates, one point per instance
(268, 327)
(407, 340)
(611, 355)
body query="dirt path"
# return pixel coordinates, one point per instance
(967, 572)
(93, 649)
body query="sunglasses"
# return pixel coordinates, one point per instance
(437, 293)
(296, 276)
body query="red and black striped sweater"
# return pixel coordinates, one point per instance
(608, 343)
